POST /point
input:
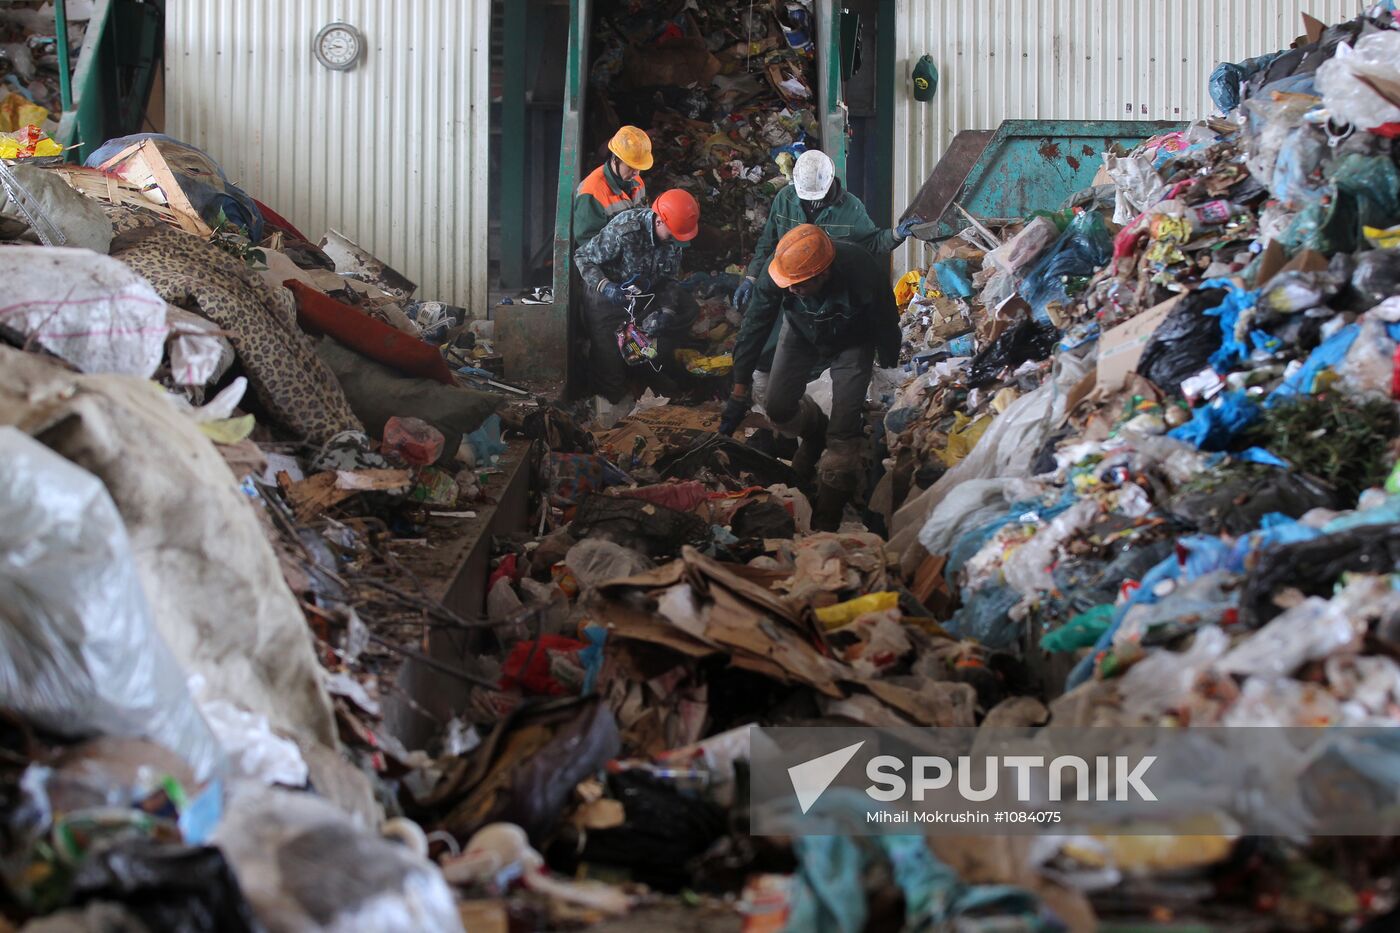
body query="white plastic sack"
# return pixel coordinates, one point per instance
(596, 561)
(1027, 570)
(1163, 680)
(85, 308)
(1006, 450)
(1139, 186)
(79, 654)
(1344, 93)
(254, 750)
(306, 867)
(1310, 631)
(820, 391)
(198, 356)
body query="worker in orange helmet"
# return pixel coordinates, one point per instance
(836, 304)
(638, 251)
(615, 186)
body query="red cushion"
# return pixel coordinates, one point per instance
(321, 314)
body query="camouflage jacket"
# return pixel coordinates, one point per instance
(628, 247)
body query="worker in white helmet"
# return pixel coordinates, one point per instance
(814, 197)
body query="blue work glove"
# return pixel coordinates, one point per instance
(614, 293)
(743, 293)
(906, 227)
(734, 410)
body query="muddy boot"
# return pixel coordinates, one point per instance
(838, 475)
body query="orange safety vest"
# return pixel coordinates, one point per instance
(612, 202)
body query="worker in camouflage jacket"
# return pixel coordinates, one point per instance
(638, 250)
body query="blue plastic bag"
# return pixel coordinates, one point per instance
(955, 278)
(1215, 426)
(1081, 250)
(1226, 79)
(486, 441)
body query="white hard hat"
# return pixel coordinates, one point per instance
(813, 175)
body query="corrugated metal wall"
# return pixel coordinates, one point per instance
(393, 154)
(1071, 60)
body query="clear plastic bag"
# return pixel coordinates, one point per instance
(1340, 79)
(78, 652)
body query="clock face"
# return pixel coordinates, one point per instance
(338, 46)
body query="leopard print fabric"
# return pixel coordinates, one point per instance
(292, 384)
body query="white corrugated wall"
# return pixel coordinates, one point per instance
(1071, 60)
(393, 154)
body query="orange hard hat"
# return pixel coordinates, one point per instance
(803, 253)
(681, 213)
(632, 146)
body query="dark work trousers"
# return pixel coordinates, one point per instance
(851, 369)
(608, 371)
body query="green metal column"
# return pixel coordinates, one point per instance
(65, 70)
(832, 116)
(883, 208)
(534, 339)
(512, 201)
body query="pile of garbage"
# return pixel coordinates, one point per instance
(29, 62)
(1141, 469)
(727, 93)
(232, 476)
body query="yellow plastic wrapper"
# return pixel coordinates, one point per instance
(833, 617)
(698, 365)
(1003, 399)
(228, 431)
(12, 148)
(964, 436)
(906, 288)
(17, 112)
(1389, 238)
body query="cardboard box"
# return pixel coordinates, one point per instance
(1121, 348)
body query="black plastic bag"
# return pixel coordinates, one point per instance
(1237, 506)
(1315, 566)
(638, 524)
(525, 770)
(171, 888)
(1028, 340)
(725, 456)
(1182, 345)
(763, 520)
(664, 830)
(1377, 276)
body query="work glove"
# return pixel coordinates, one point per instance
(614, 292)
(906, 227)
(734, 410)
(618, 294)
(743, 293)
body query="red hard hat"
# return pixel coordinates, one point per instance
(680, 212)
